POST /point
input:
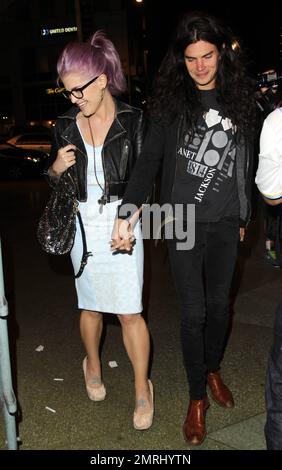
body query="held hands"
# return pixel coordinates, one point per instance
(65, 159)
(242, 234)
(122, 236)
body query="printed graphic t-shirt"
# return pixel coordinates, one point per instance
(205, 165)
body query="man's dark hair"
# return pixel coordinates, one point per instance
(174, 91)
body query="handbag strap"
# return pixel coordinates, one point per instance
(85, 254)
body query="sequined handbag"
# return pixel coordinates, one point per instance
(57, 225)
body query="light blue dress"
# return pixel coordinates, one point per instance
(110, 282)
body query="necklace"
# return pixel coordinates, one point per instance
(103, 199)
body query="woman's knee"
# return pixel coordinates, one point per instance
(129, 319)
(90, 314)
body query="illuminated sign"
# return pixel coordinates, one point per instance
(52, 91)
(68, 29)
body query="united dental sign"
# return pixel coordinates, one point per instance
(68, 29)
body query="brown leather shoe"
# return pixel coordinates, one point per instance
(194, 428)
(219, 391)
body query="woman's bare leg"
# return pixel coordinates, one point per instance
(91, 326)
(137, 344)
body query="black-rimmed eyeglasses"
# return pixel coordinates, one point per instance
(77, 92)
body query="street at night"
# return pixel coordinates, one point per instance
(45, 347)
(42, 305)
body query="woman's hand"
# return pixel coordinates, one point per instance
(65, 159)
(123, 233)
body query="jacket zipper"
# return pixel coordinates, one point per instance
(105, 174)
(86, 157)
(113, 138)
(103, 161)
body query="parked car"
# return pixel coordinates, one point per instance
(32, 141)
(17, 163)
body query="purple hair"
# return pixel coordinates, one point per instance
(96, 56)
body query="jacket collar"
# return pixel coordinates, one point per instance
(116, 129)
(121, 108)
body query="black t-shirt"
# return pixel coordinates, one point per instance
(206, 165)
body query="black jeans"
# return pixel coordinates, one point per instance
(203, 277)
(273, 388)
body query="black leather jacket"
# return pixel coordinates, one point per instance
(120, 151)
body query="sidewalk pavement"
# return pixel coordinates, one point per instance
(42, 305)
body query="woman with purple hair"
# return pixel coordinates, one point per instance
(96, 144)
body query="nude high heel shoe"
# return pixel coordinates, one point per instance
(94, 393)
(144, 421)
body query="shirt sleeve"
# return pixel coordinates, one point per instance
(269, 172)
(146, 168)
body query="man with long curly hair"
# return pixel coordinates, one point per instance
(202, 113)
